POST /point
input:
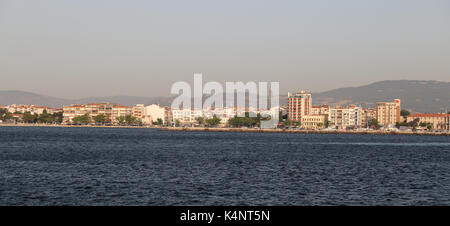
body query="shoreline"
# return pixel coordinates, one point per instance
(73, 126)
(236, 130)
(247, 130)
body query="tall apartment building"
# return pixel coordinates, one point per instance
(345, 117)
(388, 113)
(299, 104)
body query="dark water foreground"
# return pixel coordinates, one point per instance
(118, 166)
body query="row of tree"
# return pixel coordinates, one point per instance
(103, 119)
(210, 122)
(247, 121)
(28, 117)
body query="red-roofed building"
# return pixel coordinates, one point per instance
(439, 121)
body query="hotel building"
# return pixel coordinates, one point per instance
(388, 113)
(299, 104)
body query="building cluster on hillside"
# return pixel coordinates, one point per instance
(299, 112)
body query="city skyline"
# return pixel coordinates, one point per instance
(57, 48)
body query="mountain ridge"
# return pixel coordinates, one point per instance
(416, 95)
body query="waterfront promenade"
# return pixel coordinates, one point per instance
(257, 130)
(238, 130)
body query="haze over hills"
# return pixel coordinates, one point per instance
(416, 95)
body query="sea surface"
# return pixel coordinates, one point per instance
(122, 166)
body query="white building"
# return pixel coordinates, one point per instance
(344, 117)
(154, 112)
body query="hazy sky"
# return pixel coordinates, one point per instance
(82, 48)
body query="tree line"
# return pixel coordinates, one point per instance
(102, 119)
(28, 117)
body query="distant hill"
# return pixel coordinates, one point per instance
(417, 96)
(21, 97)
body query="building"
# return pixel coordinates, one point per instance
(72, 111)
(369, 115)
(299, 104)
(320, 110)
(314, 121)
(120, 111)
(438, 121)
(346, 117)
(388, 113)
(139, 111)
(33, 109)
(154, 112)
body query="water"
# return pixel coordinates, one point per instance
(106, 166)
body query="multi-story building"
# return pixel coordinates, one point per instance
(154, 112)
(345, 117)
(72, 111)
(313, 121)
(120, 111)
(299, 104)
(33, 109)
(388, 113)
(139, 111)
(369, 115)
(438, 121)
(320, 110)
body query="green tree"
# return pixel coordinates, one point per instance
(160, 121)
(121, 120)
(29, 118)
(177, 123)
(374, 123)
(200, 120)
(404, 113)
(84, 119)
(100, 119)
(58, 117)
(130, 120)
(327, 123)
(45, 117)
(214, 121)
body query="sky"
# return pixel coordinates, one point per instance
(84, 48)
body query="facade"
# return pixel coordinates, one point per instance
(388, 113)
(111, 111)
(346, 117)
(299, 104)
(314, 121)
(320, 110)
(72, 111)
(120, 111)
(369, 115)
(439, 121)
(154, 112)
(139, 111)
(33, 109)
